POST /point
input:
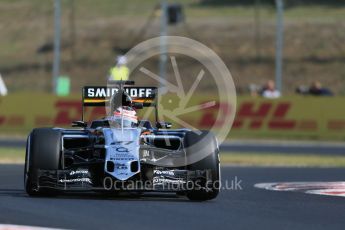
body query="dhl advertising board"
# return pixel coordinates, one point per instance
(288, 117)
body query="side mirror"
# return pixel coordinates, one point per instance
(81, 124)
(163, 125)
(138, 105)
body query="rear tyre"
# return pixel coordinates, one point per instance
(43, 151)
(203, 189)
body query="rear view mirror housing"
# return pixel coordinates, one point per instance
(81, 124)
(163, 125)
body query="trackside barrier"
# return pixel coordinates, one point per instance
(290, 117)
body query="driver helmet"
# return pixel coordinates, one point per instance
(124, 115)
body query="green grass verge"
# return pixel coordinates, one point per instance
(12, 155)
(137, 8)
(272, 159)
(16, 155)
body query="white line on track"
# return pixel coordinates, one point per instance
(23, 227)
(336, 188)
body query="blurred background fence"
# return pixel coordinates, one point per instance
(242, 33)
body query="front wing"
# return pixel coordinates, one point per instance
(163, 180)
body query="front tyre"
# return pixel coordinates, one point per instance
(205, 143)
(43, 151)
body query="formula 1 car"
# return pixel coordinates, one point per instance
(116, 154)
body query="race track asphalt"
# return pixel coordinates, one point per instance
(246, 208)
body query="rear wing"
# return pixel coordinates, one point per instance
(100, 95)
